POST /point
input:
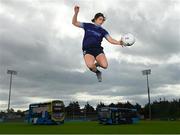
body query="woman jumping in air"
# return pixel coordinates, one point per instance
(92, 50)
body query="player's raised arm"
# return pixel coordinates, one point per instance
(114, 41)
(75, 22)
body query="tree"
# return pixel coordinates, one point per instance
(10, 110)
(73, 108)
(99, 106)
(88, 108)
(112, 105)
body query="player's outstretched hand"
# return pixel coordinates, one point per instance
(76, 9)
(121, 43)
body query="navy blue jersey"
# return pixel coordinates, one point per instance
(93, 35)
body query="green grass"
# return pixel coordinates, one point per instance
(150, 127)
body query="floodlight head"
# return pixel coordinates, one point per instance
(12, 72)
(146, 72)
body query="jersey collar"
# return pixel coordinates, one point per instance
(97, 25)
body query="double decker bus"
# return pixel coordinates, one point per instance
(52, 112)
(114, 115)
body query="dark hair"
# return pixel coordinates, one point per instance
(97, 16)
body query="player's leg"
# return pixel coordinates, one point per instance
(90, 60)
(90, 63)
(102, 61)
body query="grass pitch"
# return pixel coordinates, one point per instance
(143, 127)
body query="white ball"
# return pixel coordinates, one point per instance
(128, 39)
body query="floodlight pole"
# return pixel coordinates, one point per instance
(73, 111)
(147, 72)
(11, 72)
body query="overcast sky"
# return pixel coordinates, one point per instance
(38, 40)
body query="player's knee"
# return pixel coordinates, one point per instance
(90, 65)
(105, 65)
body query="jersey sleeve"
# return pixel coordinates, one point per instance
(83, 25)
(105, 33)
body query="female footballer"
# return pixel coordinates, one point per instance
(92, 50)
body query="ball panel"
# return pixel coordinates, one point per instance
(128, 39)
